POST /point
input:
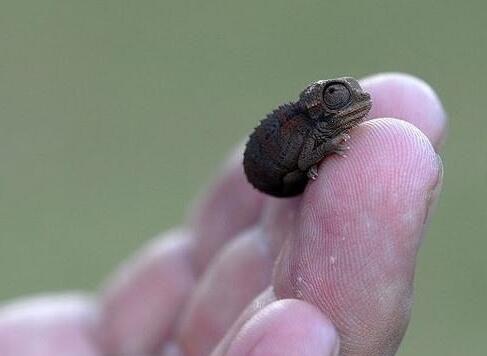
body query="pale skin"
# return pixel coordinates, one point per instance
(329, 272)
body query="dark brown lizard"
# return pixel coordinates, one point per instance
(283, 151)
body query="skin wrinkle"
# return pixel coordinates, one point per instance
(317, 279)
(393, 194)
(353, 293)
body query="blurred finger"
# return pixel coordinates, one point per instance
(49, 326)
(141, 301)
(239, 272)
(358, 231)
(229, 206)
(410, 99)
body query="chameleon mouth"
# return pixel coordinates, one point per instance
(352, 117)
(364, 106)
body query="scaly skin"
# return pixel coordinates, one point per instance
(283, 151)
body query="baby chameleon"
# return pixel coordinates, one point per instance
(283, 151)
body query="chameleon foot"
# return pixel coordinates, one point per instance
(342, 150)
(312, 172)
(339, 146)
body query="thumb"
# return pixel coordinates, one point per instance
(285, 327)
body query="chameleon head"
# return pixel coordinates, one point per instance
(340, 103)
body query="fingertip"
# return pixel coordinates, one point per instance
(411, 99)
(286, 326)
(391, 174)
(385, 153)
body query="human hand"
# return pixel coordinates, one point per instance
(248, 274)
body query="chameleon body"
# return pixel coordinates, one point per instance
(282, 153)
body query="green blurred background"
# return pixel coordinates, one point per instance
(113, 114)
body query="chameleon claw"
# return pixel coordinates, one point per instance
(342, 151)
(312, 172)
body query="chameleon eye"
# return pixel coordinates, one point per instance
(336, 96)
